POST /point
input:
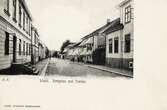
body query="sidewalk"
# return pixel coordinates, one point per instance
(41, 66)
(108, 69)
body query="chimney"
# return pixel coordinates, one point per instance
(108, 21)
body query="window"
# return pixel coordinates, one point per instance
(128, 14)
(116, 45)
(89, 47)
(27, 24)
(19, 46)
(34, 38)
(7, 44)
(127, 43)
(14, 10)
(23, 21)
(27, 48)
(24, 48)
(6, 10)
(110, 45)
(29, 27)
(20, 15)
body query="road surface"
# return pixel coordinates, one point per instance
(60, 67)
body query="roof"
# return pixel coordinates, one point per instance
(86, 41)
(116, 25)
(102, 29)
(89, 41)
(96, 31)
(83, 42)
(124, 2)
(70, 45)
(77, 44)
(35, 29)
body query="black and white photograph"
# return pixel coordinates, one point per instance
(67, 38)
(83, 55)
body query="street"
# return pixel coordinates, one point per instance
(59, 67)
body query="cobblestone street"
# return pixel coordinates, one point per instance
(59, 67)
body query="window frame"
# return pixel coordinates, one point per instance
(116, 50)
(7, 40)
(128, 14)
(110, 45)
(127, 47)
(23, 47)
(27, 24)
(27, 48)
(15, 10)
(19, 46)
(20, 15)
(24, 20)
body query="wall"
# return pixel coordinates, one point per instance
(122, 59)
(7, 24)
(5, 60)
(113, 35)
(128, 28)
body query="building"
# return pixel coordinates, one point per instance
(69, 51)
(86, 49)
(119, 38)
(127, 19)
(41, 50)
(15, 33)
(114, 38)
(66, 52)
(35, 46)
(99, 47)
(95, 45)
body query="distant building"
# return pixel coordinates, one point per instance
(87, 49)
(41, 50)
(15, 33)
(69, 51)
(95, 45)
(35, 46)
(99, 46)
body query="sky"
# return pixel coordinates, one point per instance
(60, 20)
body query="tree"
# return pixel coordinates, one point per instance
(64, 45)
(55, 54)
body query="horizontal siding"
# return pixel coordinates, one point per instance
(5, 60)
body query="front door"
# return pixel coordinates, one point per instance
(14, 48)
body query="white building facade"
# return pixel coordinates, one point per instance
(119, 39)
(127, 19)
(35, 46)
(15, 33)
